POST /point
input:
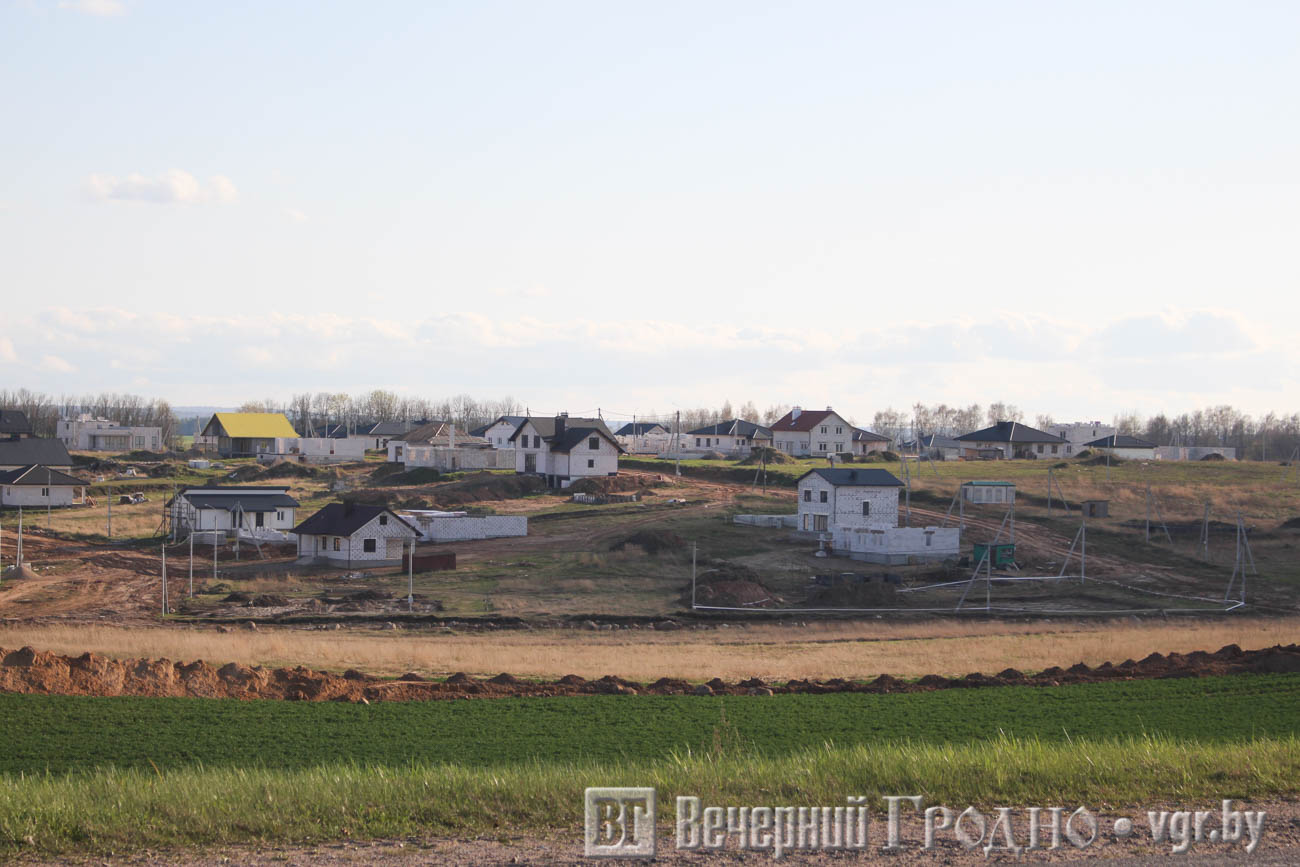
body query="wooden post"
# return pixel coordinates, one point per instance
(1148, 514)
(410, 579)
(164, 578)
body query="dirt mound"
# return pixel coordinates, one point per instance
(766, 455)
(620, 484)
(27, 670)
(733, 586)
(1290, 524)
(1214, 456)
(486, 486)
(651, 541)
(12, 573)
(290, 470)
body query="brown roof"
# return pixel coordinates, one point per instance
(807, 420)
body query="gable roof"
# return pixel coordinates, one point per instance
(251, 425)
(545, 425)
(1120, 441)
(344, 519)
(513, 420)
(640, 428)
(736, 427)
(840, 477)
(860, 435)
(249, 498)
(39, 476)
(425, 432)
(807, 420)
(933, 441)
(34, 450)
(14, 421)
(393, 428)
(1010, 432)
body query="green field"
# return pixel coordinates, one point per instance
(115, 774)
(48, 733)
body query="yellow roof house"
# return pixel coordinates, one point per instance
(242, 433)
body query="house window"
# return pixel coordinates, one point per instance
(1054, 449)
(866, 507)
(819, 522)
(697, 442)
(823, 428)
(368, 546)
(839, 429)
(336, 543)
(807, 496)
(537, 441)
(1069, 449)
(822, 496)
(593, 443)
(45, 492)
(279, 516)
(821, 447)
(839, 447)
(590, 463)
(929, 537)
(383, 520)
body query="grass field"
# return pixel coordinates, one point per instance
(138, 773)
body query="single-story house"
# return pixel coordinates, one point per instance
(14, 424)
(247, 434)
(379, 434)
(939, 448)
(428, 433)
(562, 449)
(314, 450)
(645, 438)
(350, 534)
(865, 442)
(1078, 434)
(816, 433)
(1014, 440)
(41, 486)
(88, 434)
(18, 453)
(498, 432)
(733, 437)
(256, 510)
(1124, 446)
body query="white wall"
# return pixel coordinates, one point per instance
(499, 434)
(843, 506)
(897, 543)
(448, 460)
(316, 450)
(32, 495)
(459, 528)
(389, 538)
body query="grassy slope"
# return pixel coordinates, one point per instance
(49, 733)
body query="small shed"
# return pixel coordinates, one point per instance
(988, 492)
(1096, 508)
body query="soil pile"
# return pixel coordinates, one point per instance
(651, 541)
(31, 671)
(620, 484)
(766, 455)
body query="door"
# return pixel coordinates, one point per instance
(261, 517)
(530, 463)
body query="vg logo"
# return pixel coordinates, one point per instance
(620, 822)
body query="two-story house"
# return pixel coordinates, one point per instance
(839, 498)
(819, 433)
(562, 449)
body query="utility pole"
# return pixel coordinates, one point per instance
(18, 563)
(677, 447)
(1205, 533)
(1148, 513)
(694, 546)
(164, 578)
(191, 565)
(410, 579)
(110, 513)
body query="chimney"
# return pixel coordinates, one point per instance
(828, 409)
(560, 421)
(794, 413)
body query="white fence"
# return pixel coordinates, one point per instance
(897, 544)
(775, 522)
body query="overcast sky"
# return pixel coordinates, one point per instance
(1077, 208)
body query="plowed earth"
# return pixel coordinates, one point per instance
(31, 671)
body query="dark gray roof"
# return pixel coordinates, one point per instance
(394, 428)
(514, 420)
(576, 436)
(38, 476)
(640, 428)
(933, 441)
(860, 478)
(344, 519)
(14, 421)
(736, 427)
(860, 435)
(249, 502)
(1010, 432)
(545, 426)
(34, 450)
(425, 432)
(1120, 441)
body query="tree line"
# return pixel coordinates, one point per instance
(43, 411)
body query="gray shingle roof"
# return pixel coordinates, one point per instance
(841, 477)
(1120, 441)
(736, 427)
(1010, 432)
(14, 421)
(640, 428)
(34, 450)
(344, 519)
(39, 476)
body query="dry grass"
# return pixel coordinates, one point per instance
(772, 652)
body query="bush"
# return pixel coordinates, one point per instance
(764, 454)
(845, 457)
(1084, 453)
(1214, 457)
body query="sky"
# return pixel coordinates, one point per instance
(1077, 208)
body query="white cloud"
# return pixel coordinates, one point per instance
(296, 215)
(98, 8)
(1068, 369)
(171, 187)
(56, 365)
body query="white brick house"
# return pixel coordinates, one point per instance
(733, 437)
(562, 449)
(498, 432)
(38, 486)
(833, 498)
(820, 433)
(350, 534)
